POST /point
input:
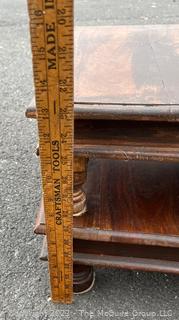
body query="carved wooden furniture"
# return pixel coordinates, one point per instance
(126, 211)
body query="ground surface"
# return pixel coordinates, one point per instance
(24, 283)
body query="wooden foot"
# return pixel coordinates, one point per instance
(79, 196)
(83, 278)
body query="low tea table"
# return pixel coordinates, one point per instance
(126, 151)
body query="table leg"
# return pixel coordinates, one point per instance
(83, 278)
(80, 175)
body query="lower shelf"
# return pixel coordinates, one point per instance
(128, 202)
(129, 263)
(132, 220)
(121, 262)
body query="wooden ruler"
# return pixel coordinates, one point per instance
(51, 26)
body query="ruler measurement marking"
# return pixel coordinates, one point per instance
(56, 235)
(46, 65)
(58, 68)
(54, 107)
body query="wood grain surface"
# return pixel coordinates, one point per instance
(127, 64)
(126, 72)
(132, 197)
(135, 258)
(124, 140)
(129, 202)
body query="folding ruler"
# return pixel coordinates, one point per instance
(51, 27)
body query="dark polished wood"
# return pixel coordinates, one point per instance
(83, 278)
(127, 140)
(132, 218)
(132, 197)
(113, 80)
(127, 65)
(129, 203)
(138, 202)
(79, 178)
(118, 112)
(129, 261)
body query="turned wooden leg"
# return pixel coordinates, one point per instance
(79, 196)
(83, 278)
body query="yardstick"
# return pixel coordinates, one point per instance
(51, 28)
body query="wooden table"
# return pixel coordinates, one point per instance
(126, 211)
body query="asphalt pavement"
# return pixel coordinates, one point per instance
(24, 289)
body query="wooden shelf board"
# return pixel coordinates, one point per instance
(129, 202)
(135, 112)
(144, 112)
(122, 85)
(130, 263)
(105, 72)
(122, 262)
(127, 140)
